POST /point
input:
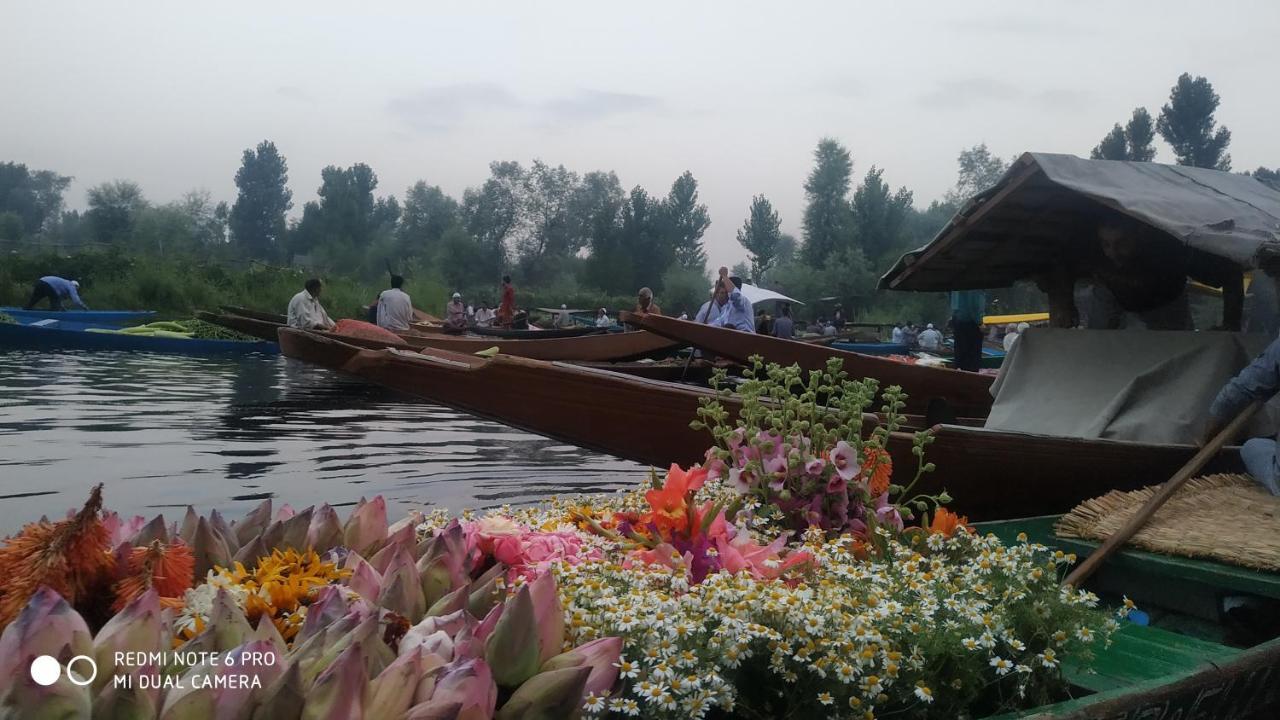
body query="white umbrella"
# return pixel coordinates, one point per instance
(759, 295)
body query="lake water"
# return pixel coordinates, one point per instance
(166, 432)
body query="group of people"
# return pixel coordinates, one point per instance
(392, 310)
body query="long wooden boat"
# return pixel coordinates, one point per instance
(255, 314)
(606, 347)
(968, 394)
(510, 334)
(1230, 670)
(991, 475)
(36, 337)
(100, 318)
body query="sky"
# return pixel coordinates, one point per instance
(170, 94)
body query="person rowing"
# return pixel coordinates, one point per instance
(737, 313)
(55, 289)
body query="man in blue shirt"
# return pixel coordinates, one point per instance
(737, 312)
(55, 288)
(1260, 380)
(967, 309)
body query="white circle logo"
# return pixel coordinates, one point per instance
(77, 678)
(45, 670)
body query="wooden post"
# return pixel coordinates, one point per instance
(1166, 491)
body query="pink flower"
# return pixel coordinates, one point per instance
(740, 480)
(845, 460)
(815, 466)
(775, 468)
(886, 513)
(837, 484)
(762, 561)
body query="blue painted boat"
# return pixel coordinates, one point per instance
(51, 337)
(92, 318)
(872, 348)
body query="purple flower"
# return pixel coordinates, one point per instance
(815, 466)
(845, 460)
(886, 513)
(740, 480)
(837, 485)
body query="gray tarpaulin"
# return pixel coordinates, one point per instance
(1007, 232)
(1149, 386)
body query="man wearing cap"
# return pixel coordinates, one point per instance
(563, 320)
(737, 313)
(395, 309)
(456, 313)
(930, 339)
(602, 320)
(55, 288)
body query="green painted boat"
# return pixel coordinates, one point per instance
(1211, 648)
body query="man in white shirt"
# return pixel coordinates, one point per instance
(602, 320)
(930, 339)
(455, 313)
(305, 310)
(395, 309)
(897, 336)
(484, 316)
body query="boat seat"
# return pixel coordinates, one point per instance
(1139, 653)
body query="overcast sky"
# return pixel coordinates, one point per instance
(169, 94)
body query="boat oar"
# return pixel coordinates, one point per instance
(1166, 491)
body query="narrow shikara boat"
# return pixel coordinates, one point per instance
(607, 347)
(532, 333)
(38, 337)
(1194, 658)
(991, 474)
(99, 318)
(967, 394)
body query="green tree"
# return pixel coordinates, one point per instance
(761, 236)
(257, 220)
(493, 213)
(348, 227)
(878, 214)
(1186, 123)
(465, 261)
(978, 170)
(35, 197)
(1113, 147)
(548, 235)
(1140, 134)
(826, 216)
(648, 247)
(10, 225)
(1269, 177)
(113, 209)
(428, 213)
(684, 221)
(597, 213)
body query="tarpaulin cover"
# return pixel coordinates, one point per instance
(1148, 386)
(999, 236)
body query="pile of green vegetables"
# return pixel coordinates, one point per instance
(5, 318)
(181, 330)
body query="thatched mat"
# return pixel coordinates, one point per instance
(1229, 518)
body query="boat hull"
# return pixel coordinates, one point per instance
(91, 318)
(29, 337)
(967, 394)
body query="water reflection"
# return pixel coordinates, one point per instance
(226, 432)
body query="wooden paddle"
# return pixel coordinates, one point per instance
(1166, 491)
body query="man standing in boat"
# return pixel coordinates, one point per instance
(305, 310)
(395, 308)
(712, 308)
(737, 310)
(645, 303)
(507, 308)
(55, 288)
(783, 326)
(1259, 380)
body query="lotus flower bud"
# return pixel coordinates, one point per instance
(391, 692)
(512, 649)
(121, 703)
(482, 598)
(25, 699)
(401, 592)
(189, 522)
(551, 694)
(282, 698)
(294, 531)
(366, 529)
(208, 548)
(470, 684)
(451, 603)
(267, 631)
(432, 710)
(219, 525)
(441, 575)
(490, 621)
(188, 702)
(339, 691)
(227, 622)
(599, 655)
(46, 626)
(412, 520)
(136, 628)
(325, 531)
(250, 553)
(451, 625)
(253, 524)
(233, 700)
(328, 604)
(366, 633)
(364, 580)
(549, 617)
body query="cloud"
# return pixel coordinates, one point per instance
(443, 108)
(1015, 25)
(293, 92)
(975, 92)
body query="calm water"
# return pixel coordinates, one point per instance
(166, 432)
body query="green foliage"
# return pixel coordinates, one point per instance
(827, 214)
(1113, 147)
(1131, 142)
(761, 236)
(113, 209)
(1186, 123)
(684, 220)
(1269, 177)
(427, 215)
(684, 289)
(10, 225)
(978, 170)
(879, 215)
(257, 220)
(34, 197)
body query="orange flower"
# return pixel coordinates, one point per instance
(878, 465)
(168, 569)
(670, 502)
(946, 522)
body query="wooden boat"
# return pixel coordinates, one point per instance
(37, 337)
(968, 394)
(99, 318)
(1157, 671)
(605, 347)
(534, 334)
(990, 474)
(255, 314)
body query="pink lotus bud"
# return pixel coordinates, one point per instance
(512, 649)
(285, 512)
(208, 548)
(549, 614)
(188, 528)
(364, 580)
(282, 698)
(136, 628)
(490, 621)
(339, 691)
(219, 525)
(451, 603)
(412, 520)
(391, 692)
(46, 626)
(233, 699)
(366, 529)
(440, 575)
(551, 694)
(268, 632)
(483, 597)
(325, 531)
(431, 710)
(152, 531)
(253, 524)
(293, 531)
(402, 592)
(227, 623)
(599, 655)
(470, 684)
(249, 553)
(121, 703)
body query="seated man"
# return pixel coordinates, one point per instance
(306, 312)
(456, 313)
(395, 308)
(645, 303)
(737, 312)
(484, 316)
(55, 288)
(1260, 380)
